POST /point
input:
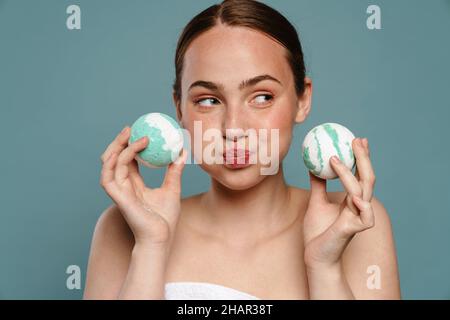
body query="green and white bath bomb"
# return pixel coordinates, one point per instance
(165, 139)
(323, 142)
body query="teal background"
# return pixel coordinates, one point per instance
(65, 94)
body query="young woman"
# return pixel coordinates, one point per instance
(240, 64)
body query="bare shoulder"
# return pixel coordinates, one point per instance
(370, 260)
(382, 219)
(112, 231)
(382, 230)
(191, 202)
(111, 247)
(111, 222)
(112, 226)
(109, 257)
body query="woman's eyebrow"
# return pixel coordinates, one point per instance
(244, 84)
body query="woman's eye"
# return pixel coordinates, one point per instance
(206, 102)
(263, 98)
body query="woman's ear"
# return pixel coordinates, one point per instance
(304, 102)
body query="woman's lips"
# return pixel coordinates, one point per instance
(236, 158)
(232, 153)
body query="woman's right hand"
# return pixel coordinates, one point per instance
(151, 214)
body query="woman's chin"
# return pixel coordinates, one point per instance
(238, 178)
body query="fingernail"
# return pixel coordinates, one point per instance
(360, 142)
(366, 143)
(335, 159)
(123, 130)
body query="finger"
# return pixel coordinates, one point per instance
(357, 175)
(318, 189)
(366, 144)
(126, 156)
(172, 179)
(135, 175)
(364, 167)
(366, 211)
(348, 180)
(107, 173)
(117, 145)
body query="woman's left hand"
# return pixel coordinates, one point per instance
(329, 227)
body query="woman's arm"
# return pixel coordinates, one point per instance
(146, 275)
(349, 248)
(132, 238)
(368, 269)
(119, 269)
(370, 260)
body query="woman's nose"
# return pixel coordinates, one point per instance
(234, 123)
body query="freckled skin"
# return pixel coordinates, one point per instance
(243, 53)
(253, 240)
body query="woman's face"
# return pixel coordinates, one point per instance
(216, 64)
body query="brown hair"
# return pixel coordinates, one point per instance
(244, 13)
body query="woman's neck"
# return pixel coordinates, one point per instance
(249, 216)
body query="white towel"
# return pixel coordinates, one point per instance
(203, 291)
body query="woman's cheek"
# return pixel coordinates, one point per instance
(197, 127)
(279, 142)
